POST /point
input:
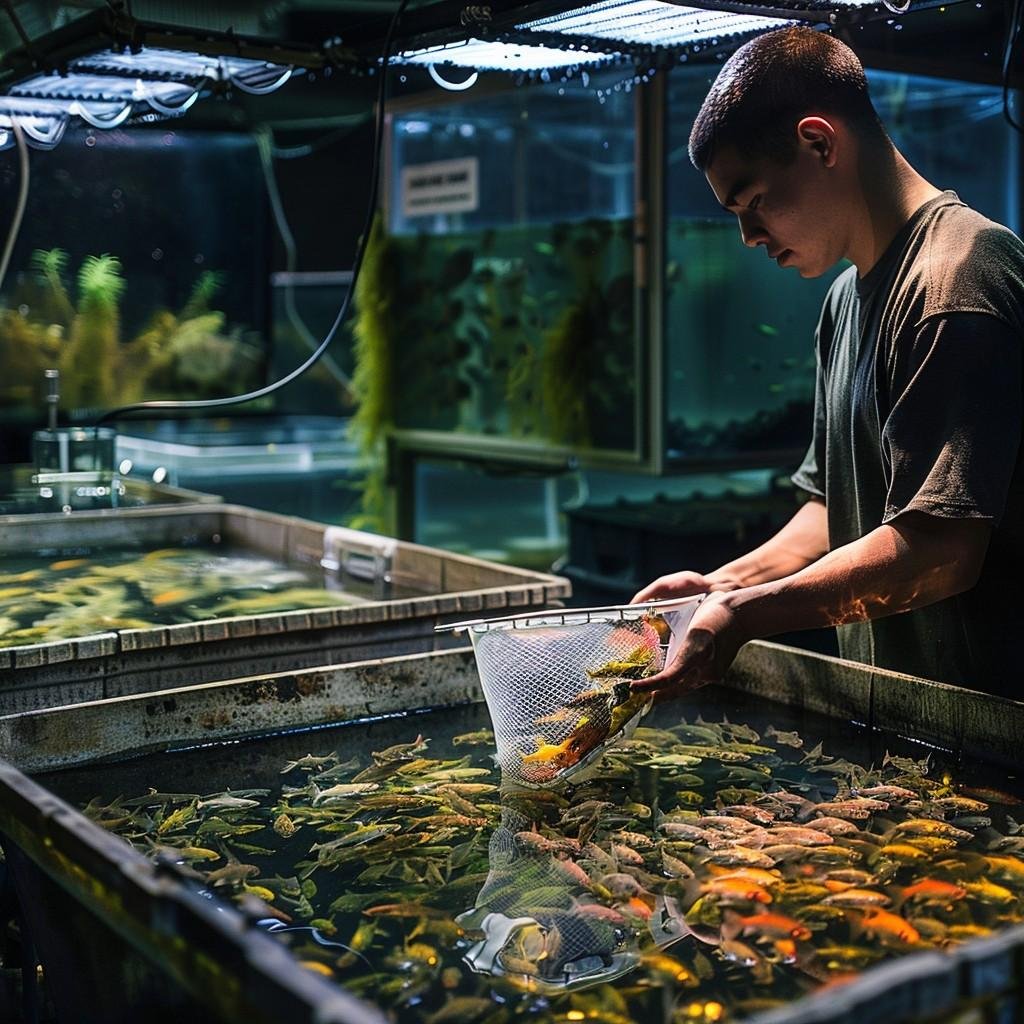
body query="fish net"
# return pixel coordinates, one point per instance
(536, 916)
(558, 684)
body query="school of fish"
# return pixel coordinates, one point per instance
(724, 871)
(110, 590)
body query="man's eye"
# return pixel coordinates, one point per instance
(754, 203)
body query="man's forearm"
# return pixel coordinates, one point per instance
(893, 569)
(803, 540)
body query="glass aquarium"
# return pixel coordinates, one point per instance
(739, 329)
(518, 291)
(139, 271)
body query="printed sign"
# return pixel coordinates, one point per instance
(447, 186)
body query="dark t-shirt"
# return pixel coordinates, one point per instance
(919, 407)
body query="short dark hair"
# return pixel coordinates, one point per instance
(769, 84)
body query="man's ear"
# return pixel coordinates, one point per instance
(818, 134)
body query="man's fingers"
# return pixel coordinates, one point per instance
(652, 682)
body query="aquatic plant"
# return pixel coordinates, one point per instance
(50, 265)
(188, 353)
(91, 353)
(372, 381)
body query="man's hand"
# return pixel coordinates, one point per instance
(679, 584)
(708, 649)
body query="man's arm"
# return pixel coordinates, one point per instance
(913, 561)
(803, 540)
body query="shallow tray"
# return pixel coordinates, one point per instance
(108, 664)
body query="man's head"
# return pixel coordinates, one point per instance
(780, 137)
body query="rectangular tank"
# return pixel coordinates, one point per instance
(207, 955)
(385, 598)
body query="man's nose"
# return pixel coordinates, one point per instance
(750, 231)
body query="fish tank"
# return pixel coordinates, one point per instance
(519, 289)
(739, 344)
(139, 272)
(713, 868)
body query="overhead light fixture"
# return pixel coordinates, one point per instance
(104, 70)
(650, 23)
(505, 56)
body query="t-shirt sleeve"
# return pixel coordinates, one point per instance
(810, 476)
(950, 442)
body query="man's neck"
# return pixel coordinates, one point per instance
(891, 192)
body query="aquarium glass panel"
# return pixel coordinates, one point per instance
(305, 307)
(515, 316)
(139, 271)
(740, 330)
(507, 517)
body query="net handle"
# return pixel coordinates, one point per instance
(572, 616)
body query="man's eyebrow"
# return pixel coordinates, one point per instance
(731, 195)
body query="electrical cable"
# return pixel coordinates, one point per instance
(452, 86)
(371, 210)
(19, 210)
(264, 144)
(327, 139)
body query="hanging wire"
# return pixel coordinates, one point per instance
(371, 208)
(264, 144)
(19, 212)
(322, 142)
(452, 86)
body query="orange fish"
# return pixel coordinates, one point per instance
(170, 596)
(636, 907)
(933, 889)
(883, 923)
(777, 926)
(549, 758)
(744, 888)
(68, 563)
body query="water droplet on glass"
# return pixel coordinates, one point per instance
(157, 254)
(90, 140)
(585, 79)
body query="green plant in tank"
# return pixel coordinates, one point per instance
(373, 377)
(92, 351)
(186, 353)
(50, 265)
(565, 372)
(587, 355)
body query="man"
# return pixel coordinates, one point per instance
(911, 540)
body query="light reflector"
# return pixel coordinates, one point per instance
(492, 56)
(104, 88)
(651, 23)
